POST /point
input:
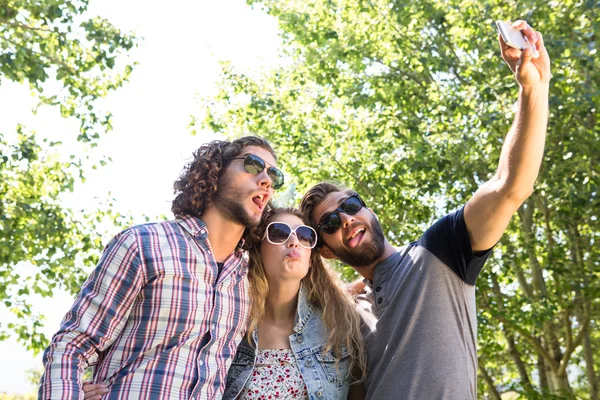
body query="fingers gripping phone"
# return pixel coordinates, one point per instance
(515, 38)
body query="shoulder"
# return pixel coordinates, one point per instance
(155, 228)
(153, 231)
(315, 323)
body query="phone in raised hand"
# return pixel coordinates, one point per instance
(515, 38)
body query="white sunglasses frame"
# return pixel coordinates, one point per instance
(293, 232)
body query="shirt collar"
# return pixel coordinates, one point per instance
(193, 225)
(197, 228)
(304, 309)
(383, 268)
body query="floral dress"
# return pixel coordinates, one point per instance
(275, 376)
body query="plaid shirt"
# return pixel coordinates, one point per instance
(155, 318)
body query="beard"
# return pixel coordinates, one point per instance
(228, 202)
(369, 251)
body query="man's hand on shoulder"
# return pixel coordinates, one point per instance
(355, 288)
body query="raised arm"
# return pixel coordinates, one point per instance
(95, 320)
(489, 211)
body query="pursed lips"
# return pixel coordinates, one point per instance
(293, 254)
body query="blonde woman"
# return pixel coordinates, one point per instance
(304, 339)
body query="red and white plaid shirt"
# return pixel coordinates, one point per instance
(155, 318)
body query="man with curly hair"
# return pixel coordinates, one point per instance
(163, 312)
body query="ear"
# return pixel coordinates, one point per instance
(373, 212)
(327, 253)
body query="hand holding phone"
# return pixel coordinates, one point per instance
(515, 38)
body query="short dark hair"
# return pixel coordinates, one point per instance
(199, 180)
(313, 197)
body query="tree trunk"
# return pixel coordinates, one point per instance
(494, 394)
(541, 364)
(588, 353)
(537, 277)
(516, 356)
(559, 384)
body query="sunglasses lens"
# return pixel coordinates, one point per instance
(276, 176)
(351, 206)
(253, 165)
(278, 233)
(331, 223)
(306, 236)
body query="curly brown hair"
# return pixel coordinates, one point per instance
(199, 180)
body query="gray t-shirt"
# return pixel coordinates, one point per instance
(420, 317)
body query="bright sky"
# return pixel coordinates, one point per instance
(150, 143)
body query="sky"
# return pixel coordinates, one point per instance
(151, 142)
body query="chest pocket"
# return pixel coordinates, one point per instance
(338, 373)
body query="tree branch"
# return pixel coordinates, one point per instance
(532, 340)
(548, 231)
(569, 332)
(29, 27)
(526, 215)
(488, 380)
(46, 56)
(574, 344)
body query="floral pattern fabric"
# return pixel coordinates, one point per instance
(275, 376)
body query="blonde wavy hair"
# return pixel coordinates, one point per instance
(323, 290)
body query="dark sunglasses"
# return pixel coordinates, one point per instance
(280, 232)
(331, 222)
(255, 165)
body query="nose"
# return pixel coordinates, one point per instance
(292, 241)
(346, 219)
(265, 180)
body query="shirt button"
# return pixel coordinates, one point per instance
(380, 300)
(300, 339)
(309, 363)
(378, 288)
(319, 394)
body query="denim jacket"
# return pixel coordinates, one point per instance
(308, 342)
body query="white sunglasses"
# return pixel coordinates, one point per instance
(280, 232)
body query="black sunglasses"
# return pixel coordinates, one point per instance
(280, 232)
(331, 222)
(255, 165)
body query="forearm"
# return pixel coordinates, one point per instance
(523, 147)
(94, 321)
(489, 211)
(64, 366)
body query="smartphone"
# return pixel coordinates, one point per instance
(515, 38)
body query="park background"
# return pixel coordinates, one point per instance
(101, 105)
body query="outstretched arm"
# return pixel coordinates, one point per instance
(489, 211)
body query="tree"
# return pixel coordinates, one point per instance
(409, 102)
(69, 61)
